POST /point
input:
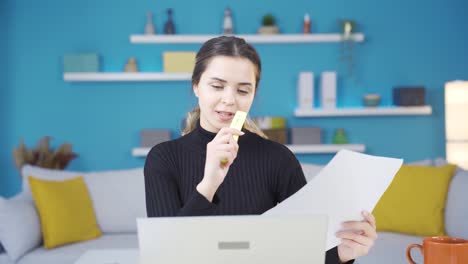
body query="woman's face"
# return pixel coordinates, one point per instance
(227, 85)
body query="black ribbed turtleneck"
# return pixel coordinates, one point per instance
(263, 174)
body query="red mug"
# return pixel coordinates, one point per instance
(437, 250)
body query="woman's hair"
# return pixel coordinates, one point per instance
(223, 46)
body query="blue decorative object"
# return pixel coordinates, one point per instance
(81, 62)
(169, 27)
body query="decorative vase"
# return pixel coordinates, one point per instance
(149, 27)
(131, 65)
(268, 30)
(227, 22)
(169, 27)
(306, 25)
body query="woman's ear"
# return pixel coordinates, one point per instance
(195, 90)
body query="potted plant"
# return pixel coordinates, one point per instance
(43, 156)
(268, 25)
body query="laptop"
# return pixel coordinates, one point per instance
(232, 239)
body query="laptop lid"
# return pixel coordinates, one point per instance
(232, 239)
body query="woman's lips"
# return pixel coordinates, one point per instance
(224, 116)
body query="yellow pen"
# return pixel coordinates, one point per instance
(237, 123)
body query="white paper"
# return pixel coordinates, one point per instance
(350, 183)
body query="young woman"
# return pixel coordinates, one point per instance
(184, 177)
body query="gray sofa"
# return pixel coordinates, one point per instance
(119, 228)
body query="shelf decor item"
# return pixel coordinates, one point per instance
(131, 65)
(227, 22)
(149, 27)
(268, 25)
(328, 86)
(81, 62)
(43, 156)
(305, 90)
(268, 122)
(306, 26)
(274, 128)
(409, 96)
(306, 135)
(340, 137)
(371, 100)
(348, 27)
(169, 27)
(152, 137)
(179, 61)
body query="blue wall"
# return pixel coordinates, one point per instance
(407, 43)
(7, 178)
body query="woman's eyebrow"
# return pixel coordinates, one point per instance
(245, 83)
(218, 79)
(224, 81)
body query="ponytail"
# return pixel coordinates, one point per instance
(191, 120)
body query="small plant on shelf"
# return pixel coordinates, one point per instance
(268, 25)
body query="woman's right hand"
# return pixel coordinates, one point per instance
(220, 154)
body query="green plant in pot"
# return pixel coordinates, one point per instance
(268, 25)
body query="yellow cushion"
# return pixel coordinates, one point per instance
(66, 211)
(414, 203)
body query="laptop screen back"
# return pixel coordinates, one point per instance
(232, 239)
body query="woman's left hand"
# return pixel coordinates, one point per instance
(357, 238)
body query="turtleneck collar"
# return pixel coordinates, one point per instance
(205, 135)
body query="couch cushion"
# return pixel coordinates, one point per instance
(414, 202)
(66, 211)
(20, 227)
(70, 253)
(110, 191)
(118, 198)
(311, 170)
(390, 248)
(43, 174)
(456, 211)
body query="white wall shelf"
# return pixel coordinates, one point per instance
(325, 148)
(140, 152)
(296, 149)
(367, 111)
(125, 76)
(253, 38)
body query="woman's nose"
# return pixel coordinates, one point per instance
(228, 97)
